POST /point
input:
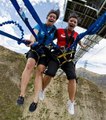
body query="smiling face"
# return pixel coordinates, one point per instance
(72, 23)
(51, 19)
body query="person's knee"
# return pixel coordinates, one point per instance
(30, 64)
(41, 69)
(72, 80)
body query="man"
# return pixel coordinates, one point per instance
(65, 38)
(37, 54)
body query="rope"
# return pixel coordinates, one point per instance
(15, 23)
(23, 17)
(34, 14)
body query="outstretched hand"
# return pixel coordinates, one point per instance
(29, 43)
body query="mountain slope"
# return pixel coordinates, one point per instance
(90, 100)
(98, 79)
(11, 66)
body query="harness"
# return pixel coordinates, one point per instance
(46, 36)
(42, 49)
(69, 39)
(63, 55)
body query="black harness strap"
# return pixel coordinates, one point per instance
(69, 39)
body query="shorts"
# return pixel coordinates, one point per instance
(43, 60)
(68, 68)
(52, 68)
(40, 55)
(32, 54)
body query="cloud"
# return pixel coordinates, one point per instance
(6, 15)
(57, 4)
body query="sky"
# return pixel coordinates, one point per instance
(94, 60)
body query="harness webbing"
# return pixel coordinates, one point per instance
(34, 14)
(15, 23)
(53, 29)
(11, 36)
(69, 39)
(23, 17)
(65, 54)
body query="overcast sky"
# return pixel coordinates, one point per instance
(96, 57)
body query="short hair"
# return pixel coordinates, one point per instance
(56, 12)
(74, 15)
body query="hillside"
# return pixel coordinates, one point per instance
(98, 79)
(90, 100)
(11, 66)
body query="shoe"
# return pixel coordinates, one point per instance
(41, 95)
(71, 107)
(32, 107)
(20, 100)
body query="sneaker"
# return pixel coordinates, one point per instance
(41, 95)
(32, 107)
(20, 100)
(71, 107)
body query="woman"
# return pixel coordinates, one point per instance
(37, 54)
